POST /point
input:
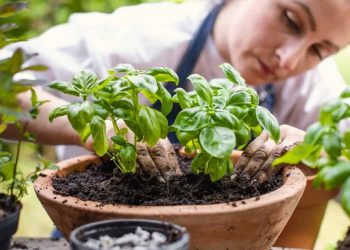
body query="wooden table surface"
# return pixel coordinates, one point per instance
(62, 244)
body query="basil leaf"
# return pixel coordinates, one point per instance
(64, 87)
(314, 134)
(345, 93)
(57, 112)
(192, 119)
(238, 98)
(183, 98)
(332, 144)
(232, 74)
(165, 98)
(202, 88)
(336, 175)
(226, 119)
(99, 136)
(85, 80)
(80, 114)
(296, 155)
(199, 163)
(217, 168)
(164, 74)
(345, 196)
(268, 122)
(217, 141)
(124, 68)
(127, 155)
(221, 84)
(185, 137)
(145, 82)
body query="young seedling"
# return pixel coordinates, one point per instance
(116, 98)
(327, 148)
(217, 117)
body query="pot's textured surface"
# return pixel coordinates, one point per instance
(248, 224)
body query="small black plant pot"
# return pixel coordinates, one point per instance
(177, 237)
(8, 227)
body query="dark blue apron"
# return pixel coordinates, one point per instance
(189, 60)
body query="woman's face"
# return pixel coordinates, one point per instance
(273, 39)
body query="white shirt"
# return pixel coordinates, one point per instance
(157, 34)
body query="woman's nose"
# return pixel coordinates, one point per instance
(290, 55)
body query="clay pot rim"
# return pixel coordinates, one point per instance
(294, 182)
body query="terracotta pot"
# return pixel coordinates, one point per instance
(302, 229)
(252, 224)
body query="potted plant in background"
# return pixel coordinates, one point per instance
(238, 225)
(13, 184)
(327, 148)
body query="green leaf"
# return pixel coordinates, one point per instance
(217, 141)
(124, 68)
(202, 88)
(185, 137)
(85, 80)
(314, 134)
(192, 119)
(6, 170)
(221, 84)
(224, 118)
(145, 82)
(164, 74)
(296, 155)
(10, 9)
(345, 196)
(333, 111)
(100, 110)
(332, 144)
(16, 61)
(345, 93)
(217, 168)
(199, 163)
(79, 115)
(127, 155)
(99, 136)
(100, 84)
(268, 122)
(119, 140)
(239, 97)
(243, 135)
(183, 98)
(64, 87)
(232, 74)
(153, 125)
(57, 112)
(124, 109)
(346, 139)
(84, 135)
(336, 175)
(165, 98)
(35, 68)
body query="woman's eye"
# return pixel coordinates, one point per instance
(317, 51)
(291, 23)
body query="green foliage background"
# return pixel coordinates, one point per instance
(43, 14)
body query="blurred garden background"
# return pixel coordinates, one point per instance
(43, 14)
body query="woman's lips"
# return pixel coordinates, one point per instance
(266, 70)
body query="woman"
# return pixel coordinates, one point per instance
(275, 44)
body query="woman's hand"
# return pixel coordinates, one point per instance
(159, 161)
(255, 162)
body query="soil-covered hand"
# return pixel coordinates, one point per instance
(255, 162)
(159, 161)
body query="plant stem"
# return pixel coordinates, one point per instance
(14, 172)
(115, 125)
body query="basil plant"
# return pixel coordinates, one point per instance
(327, 148)
(116, 98)
(218, 116)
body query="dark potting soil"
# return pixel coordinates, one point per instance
(345, 244)
(106, 184)
(7, 205)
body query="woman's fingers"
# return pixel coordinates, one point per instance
(248, 154)
(146, 162)
(258, 159)
(159, 161)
